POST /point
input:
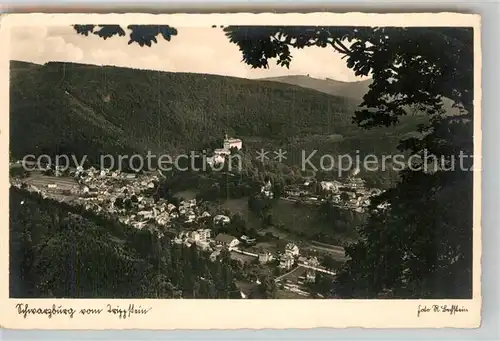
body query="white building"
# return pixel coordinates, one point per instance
(232, 143)
(204, 234)
(214, 255)
(292, 249)
(221, 219)
(195, 235)
(162, 219)
(332, 186)
(190, 203)
(265, 257)
(190, 216)
(286, 261)
(247, 239)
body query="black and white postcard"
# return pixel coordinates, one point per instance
(225, 171)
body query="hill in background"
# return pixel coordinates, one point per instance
(70, 107)
(66, 108)
(353, 90)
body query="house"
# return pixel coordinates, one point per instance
(311, 276)
(247, 239)
(356, 183)
(332, 186)
(190, 217)
(194, 235)
(226, 240)
(190, 203)
(313, 261)
(146, 214)
(214, 255)
(204, 234)
(221, 219)
(139, 225)
(217, 158)
(210, 160)
(232, 143)
(267, 186)
(286, 261)
(292, 249)
(265, 256)
(171, 207)
(266, 190)
(52, 185)
(162, 219)
(336, 199)
(205, 214)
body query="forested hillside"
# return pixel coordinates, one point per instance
(57, 250)
(353, 90)
(64, 107)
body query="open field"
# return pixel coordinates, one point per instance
(39, 180)
(240, 206)
(299, 218)
(300, 221)
(242, 257)
(270, 246)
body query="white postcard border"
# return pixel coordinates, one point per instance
(238, 314)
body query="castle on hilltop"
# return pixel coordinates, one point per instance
(221, 153)
(232, 143)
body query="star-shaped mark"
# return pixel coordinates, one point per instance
(262, 155)
(280, 155)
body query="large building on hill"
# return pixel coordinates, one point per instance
(232, 143)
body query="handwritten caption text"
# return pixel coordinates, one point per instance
(436, 308)
(26, 310)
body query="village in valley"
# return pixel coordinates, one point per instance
(129, 198)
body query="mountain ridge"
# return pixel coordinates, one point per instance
(70, 106)
(354, 90)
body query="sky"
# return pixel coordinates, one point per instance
(199, 50)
